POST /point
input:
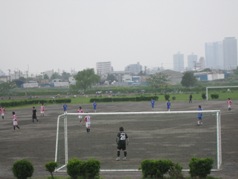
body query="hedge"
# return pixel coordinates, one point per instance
(15, 103)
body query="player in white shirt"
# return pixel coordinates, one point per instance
(87, 120)
(15, 120)
(42, 110)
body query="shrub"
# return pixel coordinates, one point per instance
(175, 171)
(50, 167)
(91, 169)
(148, 168)
(166, 97)
(203, 96)
(214, 96)
(200, 167)
(173, 98)
(22, 169)
(74, 168)
(83, 169)
(155, 168)
(163, 167)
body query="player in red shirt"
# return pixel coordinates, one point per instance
(80, 110)
(229, 103)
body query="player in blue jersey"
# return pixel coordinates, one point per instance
(95, 106)
(168, 105)
(199, 115)
(122, 141)
(65, 108)
(152, 103)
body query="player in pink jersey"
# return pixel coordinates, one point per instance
(87, 120)
(80, 110)
(15, 120)
(42, 110)
(2, 112)
(229, 103)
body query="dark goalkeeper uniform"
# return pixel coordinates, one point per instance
(121, 140)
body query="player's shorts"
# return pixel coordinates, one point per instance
(42, 112)
(88, 124)
(121, 145)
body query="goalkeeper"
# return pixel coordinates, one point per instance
(122, 140)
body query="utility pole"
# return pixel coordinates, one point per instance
(9, 75)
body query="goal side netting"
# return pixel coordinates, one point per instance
(172, 135)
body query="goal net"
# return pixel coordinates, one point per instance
(172, 135)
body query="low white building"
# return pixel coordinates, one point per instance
(30, 84)
(208, 76)
(59, 83)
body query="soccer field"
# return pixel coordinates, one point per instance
(174, 137)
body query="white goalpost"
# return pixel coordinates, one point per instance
(162, 134)
(217, 87)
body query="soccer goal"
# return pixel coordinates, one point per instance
(217, 87)
(172, 135)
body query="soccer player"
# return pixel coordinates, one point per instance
(65, 107)
(229, 103)
(15, 120)
(152, 103)
(168, 105)
(199, 116)
(122, 140)
(95, 106)
(87, 120)
(190, 98)
(80, 110)
(2, 112)
(34, 117)
(42, 110)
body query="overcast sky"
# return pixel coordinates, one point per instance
(42, 35)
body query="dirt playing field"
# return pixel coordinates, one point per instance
(36, 141)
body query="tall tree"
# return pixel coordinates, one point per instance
(158, 80)
(55, 75)
(46, 77)
(65, 76)
(111, 78)
(19, 82)
(86, 78)
(188, 79)
(6, 87)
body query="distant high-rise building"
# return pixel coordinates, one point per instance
(230, 53)
(214, 55)
(103, 68)
(178, 60)
(134, 68)
(201, 61)
(192, 60)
